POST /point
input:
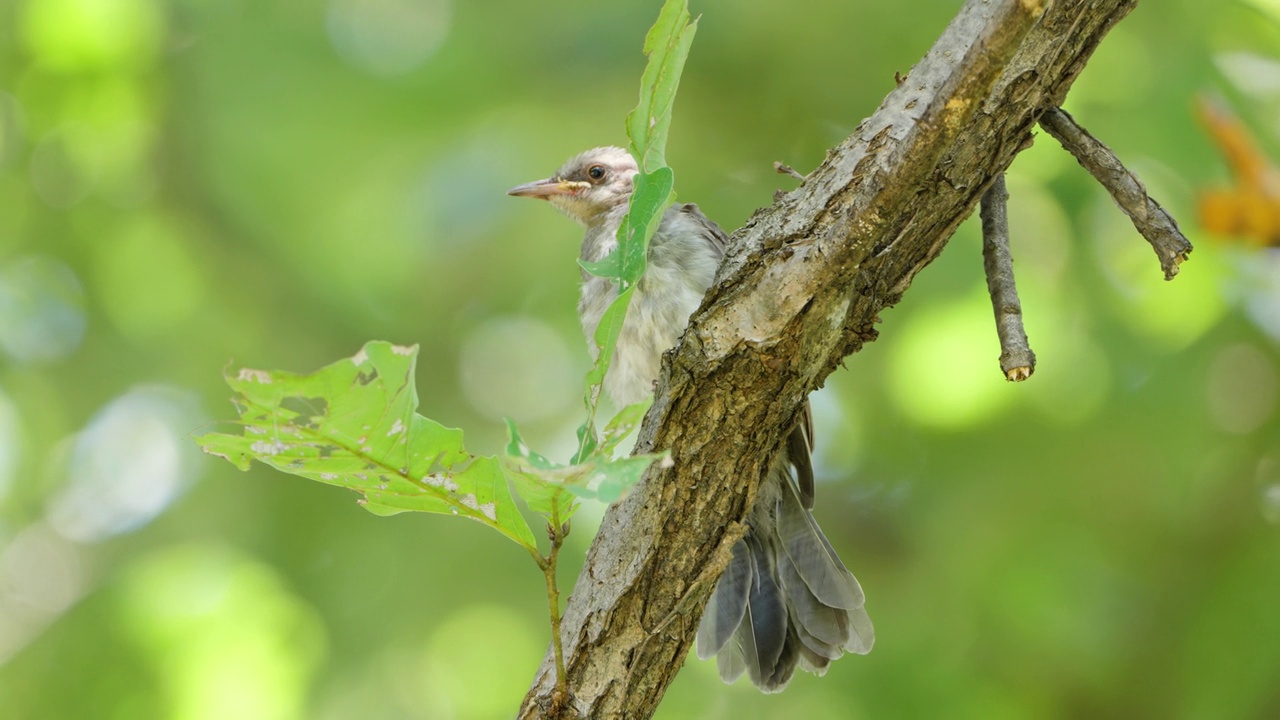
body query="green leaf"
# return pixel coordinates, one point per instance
(606, 339)
(610, 480)
(623, 424)
(607, 332)
(544, 495)
(516, 447)
(599, 478)
(534, 478)
(608, 267)
(653, 193)
(587, 440)
(667, 45)
(353, 424)
(550, 489)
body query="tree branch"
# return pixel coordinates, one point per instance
(797, 293)
(1017, 362)
(1156, 225)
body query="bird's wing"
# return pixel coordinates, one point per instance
(799, 449)
(711, 231)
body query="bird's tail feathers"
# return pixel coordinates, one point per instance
(785, 601)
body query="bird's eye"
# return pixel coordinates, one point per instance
(595, 172)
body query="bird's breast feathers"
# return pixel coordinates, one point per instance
(682, 264)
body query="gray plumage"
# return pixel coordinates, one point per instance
(785, 599)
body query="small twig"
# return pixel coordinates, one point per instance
(1016, 359)
(556, 532)
(784, 169)
(1156, 225)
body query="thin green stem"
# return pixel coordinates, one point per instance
(557, 533)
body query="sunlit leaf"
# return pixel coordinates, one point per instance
(667, 45)
(608, 267)
(548, 487)
(654, 192)
(606, 339)
(352, 424)
(600, 478)
(623, 424)
(609, 480)
(533, 476)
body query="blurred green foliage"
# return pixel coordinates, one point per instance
(185, 184)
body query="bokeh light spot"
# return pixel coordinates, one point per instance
(41, 309)
(1268, 7)
(1268, 476)
(113, 140)
(147, 279)
(128, 464)
(103, 145)
(388, 37)
(83, 35)
(1254, 74)
(10, 442)
(1040, 233)
(228, 639)
(12, 129)
(40, 577)
(1271, 503)
(1073, 375)
(56, 176)
(1170, 314)
(42, 569)
(838, 445)
(454, 201)
(944, 368)
(1258, 280)
(1241, 389)
(517, 367)
(1123, 49)
(466, 672)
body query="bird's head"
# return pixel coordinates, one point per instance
(588, 185)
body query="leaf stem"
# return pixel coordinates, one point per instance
(557, 532)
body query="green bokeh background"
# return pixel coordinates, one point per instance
(192, 183)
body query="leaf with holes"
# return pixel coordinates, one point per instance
(353, 424)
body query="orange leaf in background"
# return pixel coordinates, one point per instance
(1251, 209)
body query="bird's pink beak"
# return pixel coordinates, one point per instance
(546, 189)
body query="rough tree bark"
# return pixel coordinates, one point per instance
(799, 291)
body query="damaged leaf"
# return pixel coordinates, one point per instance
(353, 424)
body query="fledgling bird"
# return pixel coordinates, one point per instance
(785, 599)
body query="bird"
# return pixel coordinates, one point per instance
(785, 600)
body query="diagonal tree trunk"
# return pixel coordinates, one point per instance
(798, 292)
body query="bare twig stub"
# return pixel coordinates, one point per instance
(1016, 359)
(1156, 225)
(784, 169)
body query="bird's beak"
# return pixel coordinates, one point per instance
(549, 188)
